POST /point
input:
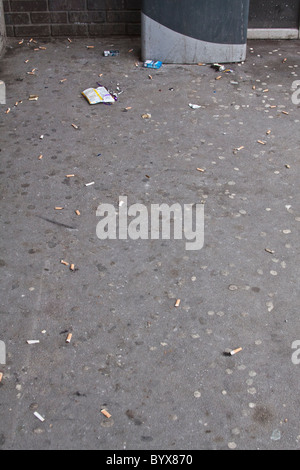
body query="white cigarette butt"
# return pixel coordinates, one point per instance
(33, 341)
(37, 415)
(88, 184)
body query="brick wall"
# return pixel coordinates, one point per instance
(44, 18)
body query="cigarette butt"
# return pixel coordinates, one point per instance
(7, 111)
(234, 351)
(72, 267)
(69, 176)
(57, 208)
(64, 262)
(273, 106)
(285, 112)
(269, 251)
(268, 132)
(33, 98)
(88, 184)
(219, 77)
(150, 77)
(177, 303)
(1, 376)
(26, 61)
(200, 169)
(62, 80)
(37, 415)
(90, 47)
(284, 60)
(68, 339)
(254, 87)
(77, 212)
(74, 125)
(261, 142)
(287, 166)
(265, 91)
(21, 42)
(43, 48)
(33, 341)
(70, 40)
(106, 413)
(240, 148)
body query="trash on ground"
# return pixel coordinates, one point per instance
(98, 95)
(194, 106)
(74, 125)
(106, 413)
(218, 67)
(69, 337)
(111, 53)
(177, 303)
(146, 116)
(33, 341)
(37, 415)
(1, 376)
(33, 97)
(64, 262)
(72, 267)
(152, 64)
(231, 352)
(89, 184)
(77, 212)
(200, 169)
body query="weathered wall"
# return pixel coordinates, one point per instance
(46, 18)
(2, 30)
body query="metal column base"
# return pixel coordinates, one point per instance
(162, 43)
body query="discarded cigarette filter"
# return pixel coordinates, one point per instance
(33, 341)
(1, 376)
(235, 351)
(37, 415)
(64, 262)
(177, 303)
(106, 413)
(69, 337)
(72, 267)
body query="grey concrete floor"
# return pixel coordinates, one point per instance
(160, 371)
